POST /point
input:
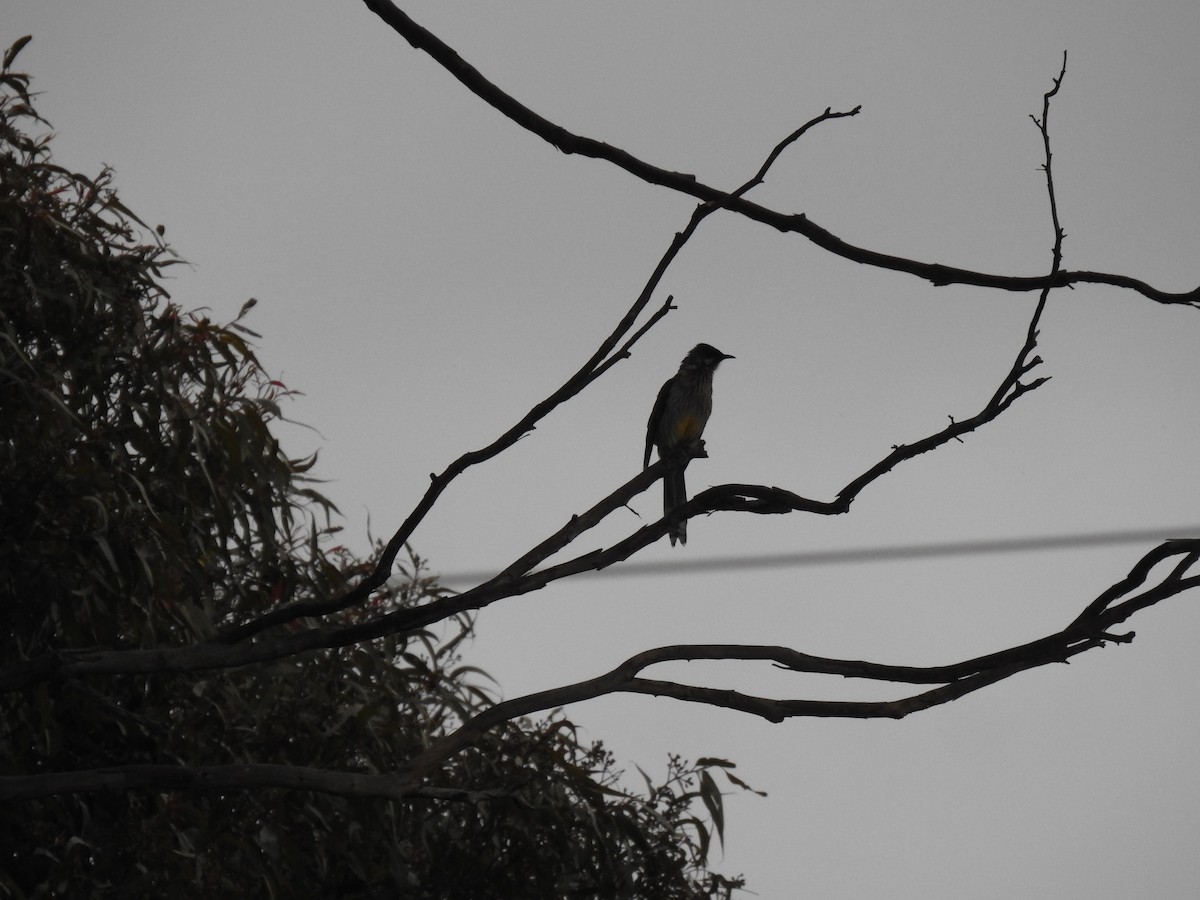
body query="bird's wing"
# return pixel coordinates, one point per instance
(656, 414)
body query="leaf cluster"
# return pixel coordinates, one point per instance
(145, 498)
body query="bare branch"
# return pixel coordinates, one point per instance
(568, 142)
(1090, 629)
(1043, 127)
(765, 500)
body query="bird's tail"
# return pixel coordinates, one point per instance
(674, 496)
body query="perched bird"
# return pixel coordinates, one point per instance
(677, 422)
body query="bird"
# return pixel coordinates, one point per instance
(677, 422)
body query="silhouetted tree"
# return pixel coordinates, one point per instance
(146, 504)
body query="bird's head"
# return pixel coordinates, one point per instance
(705, 357)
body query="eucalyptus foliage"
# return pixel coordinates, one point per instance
(144, 502)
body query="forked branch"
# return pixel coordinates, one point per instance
(600, 362)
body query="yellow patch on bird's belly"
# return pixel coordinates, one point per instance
(687, 427)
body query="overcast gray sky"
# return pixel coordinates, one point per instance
(426, 271)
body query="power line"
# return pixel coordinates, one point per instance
(869, 554)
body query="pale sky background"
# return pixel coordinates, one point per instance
(427, 271)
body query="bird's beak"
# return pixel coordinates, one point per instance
(728, 356)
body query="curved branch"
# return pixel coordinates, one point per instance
(568, 142)
(1090, 629)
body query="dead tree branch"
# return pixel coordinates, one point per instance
(564, 140)
(1092, 628)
